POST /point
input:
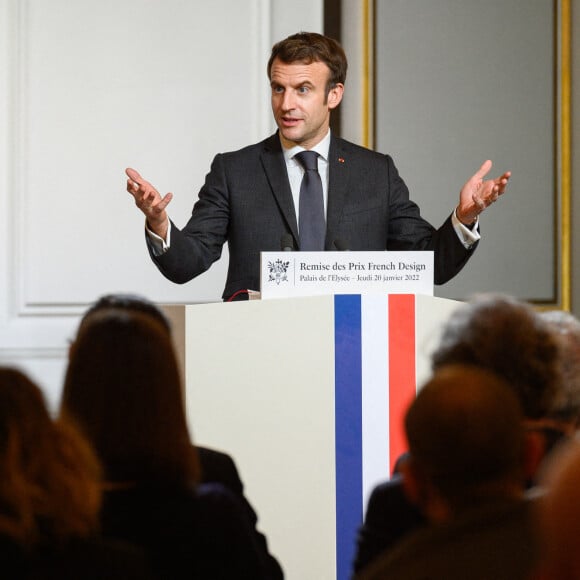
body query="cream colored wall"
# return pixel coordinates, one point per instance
(87, 89)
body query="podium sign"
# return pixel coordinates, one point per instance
(292, 274)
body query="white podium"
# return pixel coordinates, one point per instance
(308, 395)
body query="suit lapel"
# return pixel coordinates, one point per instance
(338, 173)
(277, 175)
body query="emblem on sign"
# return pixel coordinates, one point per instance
(278, 271)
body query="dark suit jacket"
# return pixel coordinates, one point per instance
(202, 533)
(246, 201)
(494, 540)
(218, 467)
(389, 517)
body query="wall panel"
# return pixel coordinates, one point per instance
(87, 89)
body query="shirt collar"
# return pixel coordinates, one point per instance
(322, 148)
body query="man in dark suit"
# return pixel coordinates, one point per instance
(250, 197)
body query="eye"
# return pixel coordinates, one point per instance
(303, 90)
(277, 90)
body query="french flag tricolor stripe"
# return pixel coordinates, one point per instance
(348, 426)
(375, 381)
(402, 376)
(375, 395)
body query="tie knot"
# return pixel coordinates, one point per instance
(308, 160)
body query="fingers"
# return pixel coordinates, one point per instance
(478, 194)
(138, 187)
(482, 195)
(132, 187)
(151, 203)
(144, 194)
(501, 182)
(493, 188)
(150, 200)
(160, 207)
(485, 196)
(136, 182)
(483, 170)
(131, 173)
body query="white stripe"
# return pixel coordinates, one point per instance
(375, 392)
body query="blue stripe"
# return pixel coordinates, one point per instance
(348, 428)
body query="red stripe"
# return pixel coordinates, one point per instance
(402, 377)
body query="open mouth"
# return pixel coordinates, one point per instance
(290, 121)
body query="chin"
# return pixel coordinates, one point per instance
(288, 136)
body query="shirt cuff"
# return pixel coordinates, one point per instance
(158, 245)
(467, 235)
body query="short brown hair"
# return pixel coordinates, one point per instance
(311, 47)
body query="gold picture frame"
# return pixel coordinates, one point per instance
(365, 86)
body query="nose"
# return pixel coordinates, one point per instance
(288, 101)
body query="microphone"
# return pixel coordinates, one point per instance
(340, 245)
(287, 243)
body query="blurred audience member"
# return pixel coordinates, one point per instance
(466, 471)
(123, 388)
(50, 496)
(216, 466)
(508, 337)
(564, 417)
(389, 516)
(503, 335)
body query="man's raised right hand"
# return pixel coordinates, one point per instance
(150, 202)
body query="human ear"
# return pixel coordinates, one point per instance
(335, 95)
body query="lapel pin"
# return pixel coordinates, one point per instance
(341, 159)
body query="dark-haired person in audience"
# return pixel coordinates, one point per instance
(216, 466)
(50, 496)
(494, 332)
(467, 472)
(123, 388)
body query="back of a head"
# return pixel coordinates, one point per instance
(507, 337)
(567, 328)
(559, 513)
(50, 477)
(123, 388)
(465, 433)
(127, 303)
